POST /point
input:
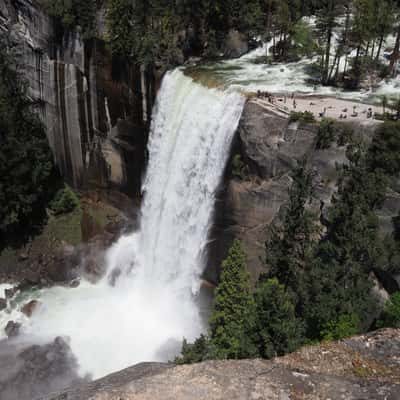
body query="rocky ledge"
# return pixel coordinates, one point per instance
(365, 367)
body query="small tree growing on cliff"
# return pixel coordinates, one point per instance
(232, 320)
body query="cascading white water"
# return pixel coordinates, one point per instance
(153, 303)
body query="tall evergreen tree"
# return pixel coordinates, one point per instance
(232, 318)
(278, 331)
(291, 244)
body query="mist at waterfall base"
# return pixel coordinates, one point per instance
(154, 301)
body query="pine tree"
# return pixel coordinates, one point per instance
(290, 245)
(278, 330)
(232, 319)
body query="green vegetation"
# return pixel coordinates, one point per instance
(391, 313)
(232, 319)
(326, 133)
(384, 153)
(73, 13)
(65, 201)
(278, 330)
(26, 168)
(147, 31)
(239, 168)
(345, 326)
(305, 117)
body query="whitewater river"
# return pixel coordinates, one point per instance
(250, 73)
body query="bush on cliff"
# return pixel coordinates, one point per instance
(384, 152)
(391, 314)
(344, 326)
(65, 201)
(326, 134)
(72, 13)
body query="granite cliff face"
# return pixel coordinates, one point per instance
(365, 367)
(270, 147)
(96, 115)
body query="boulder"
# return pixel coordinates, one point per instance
(3, 304)
(10, 293)
(29, 308)
(12, 329)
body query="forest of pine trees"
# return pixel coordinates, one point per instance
(352, 33)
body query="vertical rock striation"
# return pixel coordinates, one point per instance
(96, 110)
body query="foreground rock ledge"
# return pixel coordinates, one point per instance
(365, 367)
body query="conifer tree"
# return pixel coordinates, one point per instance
(290, 245)
(278, 331)
(232, 319)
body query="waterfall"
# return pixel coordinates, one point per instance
(153, 303)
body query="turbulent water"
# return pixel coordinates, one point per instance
(250, 73)
(154, 303)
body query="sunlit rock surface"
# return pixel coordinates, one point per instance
(365, 367)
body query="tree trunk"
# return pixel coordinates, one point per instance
(395, 55)
(379, 48)
(327, 55)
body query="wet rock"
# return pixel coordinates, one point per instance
(3, 304)
(75, 283)
(10, 293)
(29, 308)
(12, 329)
(32, 371)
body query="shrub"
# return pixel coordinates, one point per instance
(326, 134)
(345, 326)
(305, 117)
(384, 152)
(345, 134)
(65, 201)
(391, 314)
(73, 13)
(194, 352)
(239, 168)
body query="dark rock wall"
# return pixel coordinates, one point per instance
(96, 109)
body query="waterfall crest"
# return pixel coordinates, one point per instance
(152, 305)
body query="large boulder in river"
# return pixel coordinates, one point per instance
(29, 308)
